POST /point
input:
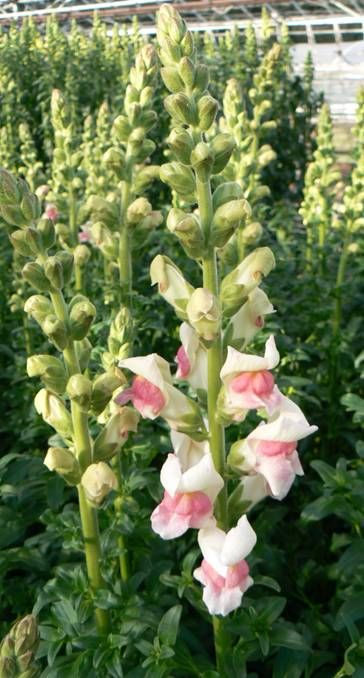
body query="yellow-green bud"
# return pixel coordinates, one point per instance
(238, 284)
(207, 108)
(171, 79)
(56, 331)
(54, 412)
(203, 313)
(50, 370)
(34, 240)
(181, 108)
(20, 243)
(202, 160)
(30, 207)
(9, 191)
(81, 255)
(104, 240)
(187, 71)
(187, 229)
(121, 128)
(138, 210)
(8, 667)
(25, 635)
(115, 433)
(53, 270)
(227, 218)
(83, 350)
(266, 155)
(38, 307)
(179, 177)
(34, 274)
(104, 386)
(61, 460)
(47, 231)
(13, 215)
(145, 177)
(222, 147)
(181, 143)
(201, 78)
(66, 260)
(98, 480)
(252, 233)
(229, 190)
(82, 315)
(114, 158)
(79, 389)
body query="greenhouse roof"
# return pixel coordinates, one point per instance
(308, 21)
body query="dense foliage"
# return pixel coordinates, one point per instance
(83, 122)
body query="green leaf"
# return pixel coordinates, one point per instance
(168, 626)
(284, 636)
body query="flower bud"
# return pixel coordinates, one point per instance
(47, 232)
(187, 71)
(61, 460)
(104, 240)
(50, 370)
(20, 243)
(201, 78)
(83, 350)
(81, 255)
(103, 387)
(13, 215)
(180, 108)
(114, 158)
(202, 161)
(238, 284)
(181, 143)
(34, 275)
(82, 315)
(42, 191)
(138, 210)
(171, 284)
(179, 177)
(53, 270)
(56, 331)
(54, 412)
(204, 314)
(66, 260)
(171, 79)
(38, 307)
(266, 155)
(245, 324)
(8, 667)
(145, 177)
(207, 109)
(30, 207)
(97, 481)
(115, 433)
(226, 220)
(120, 333)
(229, 190)
(9, 191)
(252, 233)
(222, 147)
(187, 229)
(121, 128)
(79, 389)
(34, 240)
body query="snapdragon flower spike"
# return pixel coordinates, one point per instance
(190, 492)
(224, 572)
(153, 394)
(271, 449)
(248, 383)
(191, 359)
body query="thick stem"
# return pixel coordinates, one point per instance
(83, 449)
(74, 235)
(214, 363)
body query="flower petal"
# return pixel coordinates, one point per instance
(239, 541)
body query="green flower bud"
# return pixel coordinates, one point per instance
(230, 190)
(47, 232)
(181, 108)
(24, 662)
(82, 315)
(171, 79)
(20, 243)
(25, 635)
(13, 215)
(238, 284)
(34, 239)
(38, 307)
(50, 370)
(83, 350)
(138, 210)
(104, 240)
(202, 160)
(145, 177)
(79, 389)
(171, 284)
(121, 128)
(81, 255)
(54, 412)
(179, 177)
(201, 78)
(9, 191)
(31, 207)
(207, 108)
(114, 158)
(103, 210)
(187, 71)
(103, 387)
(144, 151)
(115, 433)
(120, 333)
(97, 481)
(226, 220)
(53, 270)
(63, 462)
(33, 273)
(252, 233)
(258, 193)
(222, 147)
(203, 313)
(66, 260)
(187, 229)
(266, 155)
(181, 143)
(56, 331)
(7, 646)
(171, 24)
(8, 667)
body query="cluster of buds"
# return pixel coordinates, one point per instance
(31, 168)
(67, 382)
(18, 648)
(193, 477)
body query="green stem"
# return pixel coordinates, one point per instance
(83, 449)
(214, 364)
(339, 282)
(27, 337)
(74, 235)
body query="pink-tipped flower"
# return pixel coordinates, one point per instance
(153, 394)
(271, 449)
(188, 451)
(189, 496)
(224, 572)
(51, 212)
(191, 359)
(247, 382)
(85, 234)
(245, 324)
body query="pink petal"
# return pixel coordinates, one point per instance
(184, 365)
(237, 574)
(272, 448)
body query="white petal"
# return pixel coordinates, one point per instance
(188, 451)
(279, 474)
(254, 489)
(151, 367)
(202, 477)
(171, 475)
(237, 362)
(222, 602)
(177, 405)
(239, 541)
(211, 542)
(287, 425)
(271, 355)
